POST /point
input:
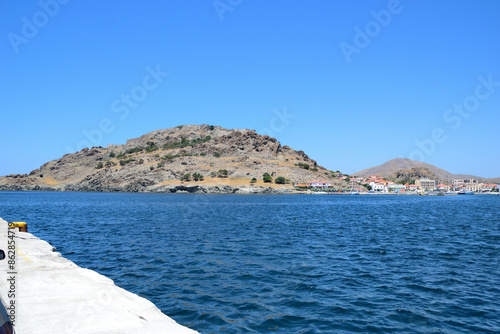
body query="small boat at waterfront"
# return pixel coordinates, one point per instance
(466, 192)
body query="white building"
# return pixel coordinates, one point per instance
(378, 187)
(475, 187)
(319, 184)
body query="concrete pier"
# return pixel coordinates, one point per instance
(51, 294)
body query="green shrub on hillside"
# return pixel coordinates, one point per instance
(198, 177)
(135, 149)
(280, 180)
(302, 165)
(124, 162)
(267, 178)
(184, 143)
(151, 147)
(222, 173)
(170, 156)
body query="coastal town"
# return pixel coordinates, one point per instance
(374, 184)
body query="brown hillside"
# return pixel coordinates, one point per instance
(156, 162)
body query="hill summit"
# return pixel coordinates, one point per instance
(392, 167)
(186, 158)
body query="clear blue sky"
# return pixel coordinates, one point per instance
(364, 80)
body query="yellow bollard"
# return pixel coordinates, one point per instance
(23, 227)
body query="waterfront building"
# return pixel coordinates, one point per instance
(319, 184)
(412, 187)
(378, 187)
(475, 187)
(426, 184)
(489, 187)
(396, 188)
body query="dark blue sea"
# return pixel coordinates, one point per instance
(286, 263)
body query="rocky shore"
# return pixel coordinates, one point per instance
(192, 189)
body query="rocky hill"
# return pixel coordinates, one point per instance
(172, 160)
(392, 167)
(410, 175)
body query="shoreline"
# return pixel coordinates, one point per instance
(52, 294)
(171, 189)
(228, 190)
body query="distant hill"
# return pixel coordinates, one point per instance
(389, 168)
(160, 161)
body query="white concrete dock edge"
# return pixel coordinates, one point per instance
(54, 295)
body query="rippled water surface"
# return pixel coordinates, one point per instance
(286, 263)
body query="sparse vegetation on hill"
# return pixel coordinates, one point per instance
(158, 160)
(151, 147)
(186, 142)
(135, 149)
(302, 165)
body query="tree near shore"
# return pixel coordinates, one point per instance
(198, 177)
(280, 180)
(267, 178)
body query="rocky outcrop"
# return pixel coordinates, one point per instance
(410, 175)
(156, 162)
